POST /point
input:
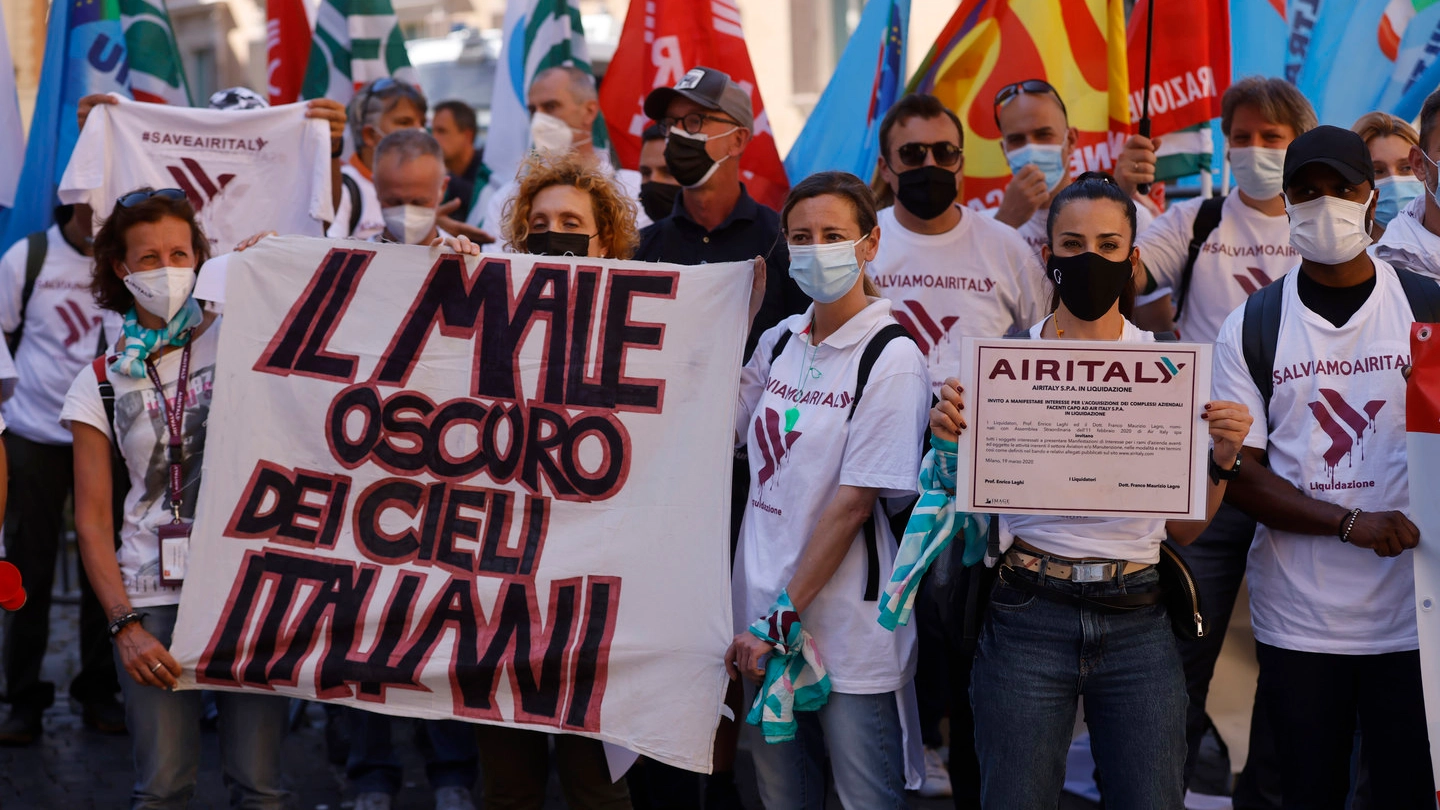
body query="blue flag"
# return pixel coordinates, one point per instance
(1346, 34)
(84, 54)
(1417, 57)
(843, 131)
(1258, 37)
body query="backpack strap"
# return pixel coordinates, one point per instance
(780, 345)
(356, 202)
(1423, 294)
(1206, 221)
(1259, 335)
(107, 398)
(36, 245)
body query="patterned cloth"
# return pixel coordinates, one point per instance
(140, 342)
(795, 679)
(933, 524)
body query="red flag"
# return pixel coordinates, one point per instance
(662, 39)
(1189, 66)
(287, 43)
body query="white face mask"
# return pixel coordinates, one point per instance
(549, 135)
(410, 223)
(1329, 230)
(163, 291)
(1259, 172)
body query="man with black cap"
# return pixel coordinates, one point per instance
(710, 119)
(1332, 591)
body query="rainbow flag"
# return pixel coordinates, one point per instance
(1079, 47)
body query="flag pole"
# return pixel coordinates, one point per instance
(1144, 188)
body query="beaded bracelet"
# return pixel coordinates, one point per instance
(1347, 524)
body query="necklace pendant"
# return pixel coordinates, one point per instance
(792, 415)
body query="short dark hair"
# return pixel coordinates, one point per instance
(110, 247)
(915, 105)
(463, 114)
(1093, 186)
(1428, 124)
(654, 132)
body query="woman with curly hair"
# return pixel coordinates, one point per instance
(565, 208)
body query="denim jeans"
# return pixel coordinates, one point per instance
(165, 734)
(861, 735)
(448, 746)
(1037, 658)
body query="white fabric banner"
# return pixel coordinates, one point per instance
(492, 490)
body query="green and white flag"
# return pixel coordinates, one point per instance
(538, 34)
(1184, 153)
(355, 42)
(156, 73)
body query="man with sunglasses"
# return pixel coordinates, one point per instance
(1039, 144)
(950, 272)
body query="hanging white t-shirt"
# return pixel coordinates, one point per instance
(977, 279)
(1337, 431)
(1083, 536)
(1407, 243)
(62, 333)
(1033, 231)
(493, 222)
(797, 468)
(371, 221)
(245, 171)
(140, 421)
(1245, 252)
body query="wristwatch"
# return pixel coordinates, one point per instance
(1218, 474)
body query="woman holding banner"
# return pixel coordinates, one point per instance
(138, 418)
(832, 410)
(1054, 632)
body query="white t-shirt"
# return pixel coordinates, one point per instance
(1337, 431)
(1033, 231)
(1245, 252)
(1085, 537)
(1406, 242)
(62, 334)
(140, 421)
(371, 221)
(795, 473)
(978, 279)
(494, 220)
(245, 171)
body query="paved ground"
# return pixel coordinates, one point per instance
(73, 768)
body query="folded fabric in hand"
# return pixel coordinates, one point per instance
(795, 679)
(933, 524)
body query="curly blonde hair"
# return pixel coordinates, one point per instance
(614, 210)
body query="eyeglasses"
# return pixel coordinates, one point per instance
(134, 198)
(1010, 92)
(913, 154)
(694, 122)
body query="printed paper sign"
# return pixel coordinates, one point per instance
(492, 489)
(1092, 428)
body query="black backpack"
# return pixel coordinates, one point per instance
(356, 201)
(897, 521)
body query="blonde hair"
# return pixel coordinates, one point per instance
(614, 210)
(1378, 125)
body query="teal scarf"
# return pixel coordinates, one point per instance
(795, 677)
(140, 342)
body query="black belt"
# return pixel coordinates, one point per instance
(1117, 603)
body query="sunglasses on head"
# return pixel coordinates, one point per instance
(913, 154)
(134, 198)
(1010, 92)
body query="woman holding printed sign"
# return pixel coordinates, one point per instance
(145, 408)
(1057, 631)
(832, 409)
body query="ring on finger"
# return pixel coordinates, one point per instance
(157, 666)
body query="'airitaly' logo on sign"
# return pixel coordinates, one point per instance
(196, 183)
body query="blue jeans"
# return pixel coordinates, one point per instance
(451, 753)
(165, 733)
(861, 734)
(1038, 657)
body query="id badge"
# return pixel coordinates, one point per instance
(174, 553)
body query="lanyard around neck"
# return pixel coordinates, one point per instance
(174, 422)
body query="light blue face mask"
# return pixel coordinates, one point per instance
(1045, 156)
(825, 272)
(1395, 193)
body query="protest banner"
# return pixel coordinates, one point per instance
(492, 489)
(1422, 432)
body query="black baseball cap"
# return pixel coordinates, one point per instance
(708, 87)
(1340, 149)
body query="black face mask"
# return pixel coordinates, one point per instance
(556, 243)
(927, 192)
(1089, 283)
(687, 160)
(658, 199)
